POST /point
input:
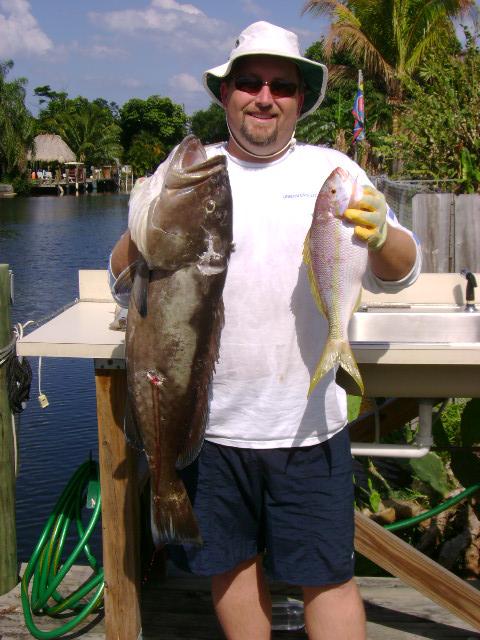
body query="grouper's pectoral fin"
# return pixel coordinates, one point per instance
(194, 440)
(140, 287)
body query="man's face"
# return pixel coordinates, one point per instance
(262, 119)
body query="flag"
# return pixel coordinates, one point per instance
(358, 112)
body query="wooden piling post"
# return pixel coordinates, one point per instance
(120, 510)
(8, 537)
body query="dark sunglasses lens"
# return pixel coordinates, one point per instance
(278, 88)
(282, 88)
(248, 85)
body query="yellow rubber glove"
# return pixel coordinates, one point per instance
(368, 212)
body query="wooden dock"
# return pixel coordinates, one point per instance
(180, 608)
(176, 608)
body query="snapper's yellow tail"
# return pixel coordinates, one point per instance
(337, 352)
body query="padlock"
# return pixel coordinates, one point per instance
(43, 400)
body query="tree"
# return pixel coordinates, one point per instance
(390, 39)
(332, 123)
(89, 128)
(16, 123)
(209, 125)
(111, 106)
(92, 135)
(46, 94)
(160, 118)
(145, 154)
(441, 118)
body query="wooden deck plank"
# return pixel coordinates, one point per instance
(417, 570)
(180, 608)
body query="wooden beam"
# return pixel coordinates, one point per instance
(8, 537)
(120, 510)
(417, 570)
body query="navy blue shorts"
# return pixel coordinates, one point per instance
(295, 505)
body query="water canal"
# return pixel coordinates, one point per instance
(46, 240)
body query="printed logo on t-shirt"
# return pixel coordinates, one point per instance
(287, 196)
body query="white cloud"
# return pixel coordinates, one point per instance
(180, 27)
(176, 6)
(252, 8)
(161, 15)
(186, 82)
(19, 30)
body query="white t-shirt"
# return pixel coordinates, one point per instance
(274, 334)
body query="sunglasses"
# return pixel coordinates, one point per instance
(278, 88)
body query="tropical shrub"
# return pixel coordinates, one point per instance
(16, 124)
(440, 133)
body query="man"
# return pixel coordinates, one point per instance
(272, 487)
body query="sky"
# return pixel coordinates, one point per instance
(122, 49)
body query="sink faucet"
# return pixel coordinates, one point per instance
(470, 293)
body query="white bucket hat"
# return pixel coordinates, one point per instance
(263, 38)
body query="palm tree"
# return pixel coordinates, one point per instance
(16, 123)
(88, 128)
(390, 38)
(91, 136)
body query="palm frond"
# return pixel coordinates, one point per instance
(357, 42)
(321, 7)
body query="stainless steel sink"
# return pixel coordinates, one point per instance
(425, 324)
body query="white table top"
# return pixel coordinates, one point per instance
(82, 331)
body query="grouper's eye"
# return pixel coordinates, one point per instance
(210, 206)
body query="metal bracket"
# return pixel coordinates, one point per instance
(107, 363)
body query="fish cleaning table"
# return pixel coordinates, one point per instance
(82, 331)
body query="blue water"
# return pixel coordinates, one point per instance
(46, 240)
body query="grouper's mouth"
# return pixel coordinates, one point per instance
(190, 166)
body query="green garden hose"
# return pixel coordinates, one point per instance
(46, 565)
(409, 522)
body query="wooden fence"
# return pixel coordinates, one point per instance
(449, 229)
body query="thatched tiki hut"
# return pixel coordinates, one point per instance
(48, 147)
(52, 153)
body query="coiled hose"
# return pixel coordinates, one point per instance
(45, 565)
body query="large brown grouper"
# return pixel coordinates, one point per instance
(174, 323)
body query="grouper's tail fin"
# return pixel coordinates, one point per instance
(337, 351)
(172, 518)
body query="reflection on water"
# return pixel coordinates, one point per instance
(46, 240)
